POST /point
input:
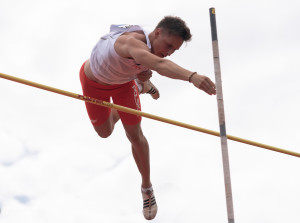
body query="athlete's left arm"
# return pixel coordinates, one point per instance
(130, 47)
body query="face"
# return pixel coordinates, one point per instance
(165, 44)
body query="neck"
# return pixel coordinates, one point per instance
(151, 37)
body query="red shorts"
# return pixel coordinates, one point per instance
(124, 94)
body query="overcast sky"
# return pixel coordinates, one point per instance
(54, 167)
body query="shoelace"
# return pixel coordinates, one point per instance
(150, 201)
(152, 91)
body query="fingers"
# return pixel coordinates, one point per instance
(145, 75)
(210, 87)
(149, 72)
(206, 89)
(204, 83)
(207, 86)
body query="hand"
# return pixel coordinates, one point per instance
(204, 83)
(145, 75)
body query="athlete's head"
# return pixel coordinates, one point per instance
(175, 26)
(169, 34)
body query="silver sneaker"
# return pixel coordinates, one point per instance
(150, 206)
(148, 88)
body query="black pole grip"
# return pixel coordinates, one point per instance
(213, 24)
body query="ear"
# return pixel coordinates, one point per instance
(157, 32)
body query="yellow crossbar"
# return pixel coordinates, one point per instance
(144, 114)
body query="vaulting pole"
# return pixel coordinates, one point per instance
(144, 114)
(223, 135)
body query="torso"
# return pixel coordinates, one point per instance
(136, 34)
(89, 74)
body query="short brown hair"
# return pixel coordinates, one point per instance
(176, 26)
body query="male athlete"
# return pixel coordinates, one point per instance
(120, 68)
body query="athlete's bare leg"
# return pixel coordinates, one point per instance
(139, 144)
(140, 151)
(104, 130)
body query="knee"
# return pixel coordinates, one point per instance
(104, 134)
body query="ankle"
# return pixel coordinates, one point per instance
(147, 188)
(140, 85)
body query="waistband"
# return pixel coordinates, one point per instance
(101, 86)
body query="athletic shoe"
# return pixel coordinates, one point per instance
(150, 206)
(148, 88)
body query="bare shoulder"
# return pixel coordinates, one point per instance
(137, 35)
(130, 40)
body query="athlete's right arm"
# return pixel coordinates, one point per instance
(130, 47)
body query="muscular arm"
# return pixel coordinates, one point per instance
(130, 47)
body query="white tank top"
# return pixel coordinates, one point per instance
(107, 66)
